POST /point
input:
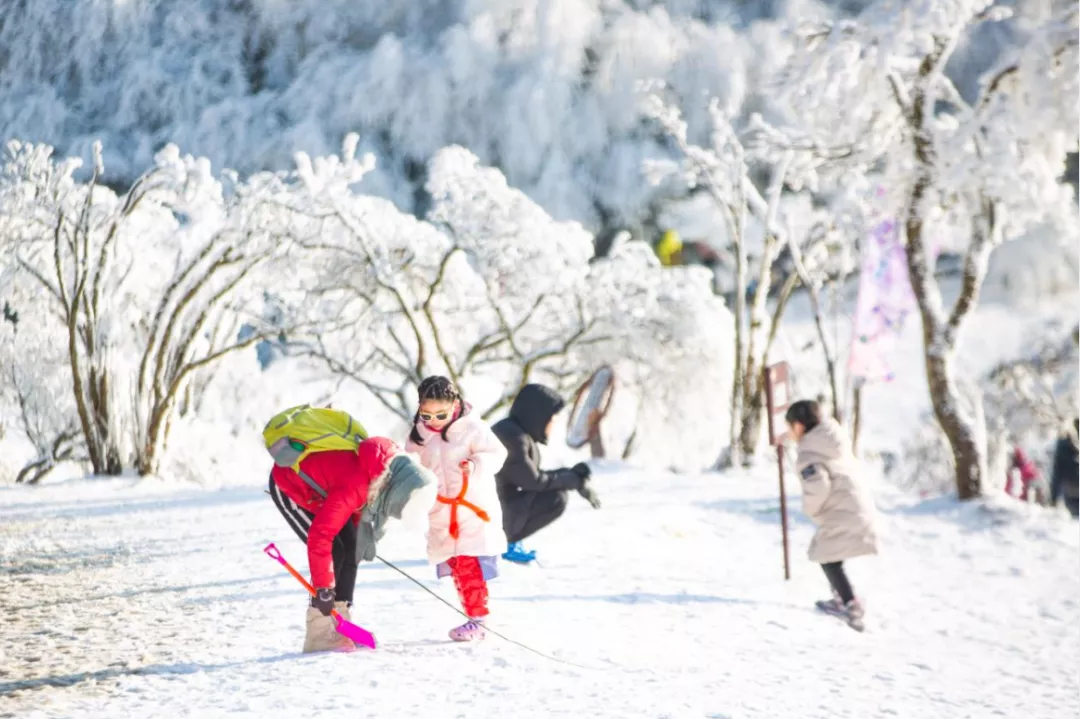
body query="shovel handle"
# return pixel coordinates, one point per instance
(275, 553)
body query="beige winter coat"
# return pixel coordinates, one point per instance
(834, 496)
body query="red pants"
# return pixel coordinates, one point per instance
(471, 587)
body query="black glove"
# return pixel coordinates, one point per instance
(586, 491)
(324, 601)
(582, 470)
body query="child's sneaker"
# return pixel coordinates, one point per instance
(831, 606)
(854, 613)
(516, 553)
(470, 631)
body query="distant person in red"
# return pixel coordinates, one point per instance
(341, 518)
(1021, 464)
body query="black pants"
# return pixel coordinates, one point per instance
(344, 549)
(527, 513)
(838, 580)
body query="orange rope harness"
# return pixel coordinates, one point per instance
(459, 501)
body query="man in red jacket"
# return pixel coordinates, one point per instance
(342, 514)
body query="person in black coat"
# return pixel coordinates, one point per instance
(1065, 477)
(533, 498)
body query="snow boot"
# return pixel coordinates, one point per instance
(322, 634)
(470, 631)
(517, 554)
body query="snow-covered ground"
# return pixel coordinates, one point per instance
(121, 598)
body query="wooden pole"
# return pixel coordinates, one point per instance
(780, 467)
(783, 510)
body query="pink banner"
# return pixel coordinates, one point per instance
(884, 302)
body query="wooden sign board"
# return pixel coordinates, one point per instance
(778, 396)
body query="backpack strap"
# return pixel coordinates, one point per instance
(311, 482)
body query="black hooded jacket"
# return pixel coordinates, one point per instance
(1065, 477)
(533, 408)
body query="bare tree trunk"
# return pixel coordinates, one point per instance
(940, 332)
(628, 450)
(62, 449)
(958, 428)
(753, 388)
(819, 324)
(826, 350)
(939, 343)
(856, 417)
(753, 375)
(739, 370)
(90, 379)
(756, 395)
(163, 405)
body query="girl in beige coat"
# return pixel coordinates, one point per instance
(836, 500)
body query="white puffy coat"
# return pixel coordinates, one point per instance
(835, 496)
(469, 438)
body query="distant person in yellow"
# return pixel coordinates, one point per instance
(669, 249)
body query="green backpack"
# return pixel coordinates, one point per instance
(299, 431)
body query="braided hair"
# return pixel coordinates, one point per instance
(437, 388)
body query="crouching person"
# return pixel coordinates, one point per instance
(532, 498)
(338, 504)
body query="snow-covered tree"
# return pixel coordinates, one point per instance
(489, 286)
(35, 381)
(669, 339)
(481, 287)
(150, 287)
(373, 282)
(966, 174)
(820, 250)
(224, 243)
(1030, 398)
(247, 84)
(63, 234)
(724, 170)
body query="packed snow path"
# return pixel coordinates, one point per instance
(124, 599)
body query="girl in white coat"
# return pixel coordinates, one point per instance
(837, 500)
(465, 532)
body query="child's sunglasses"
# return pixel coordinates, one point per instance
(440, 416)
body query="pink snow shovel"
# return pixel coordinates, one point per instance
(345, 628)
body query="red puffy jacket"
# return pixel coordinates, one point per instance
(346, 476)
